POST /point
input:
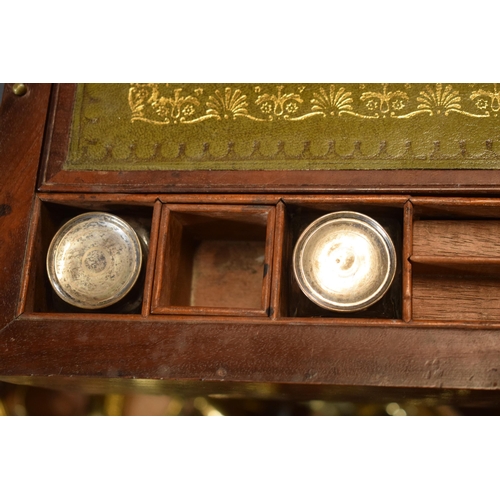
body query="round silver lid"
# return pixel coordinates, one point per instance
(94, 260)
(344, 261)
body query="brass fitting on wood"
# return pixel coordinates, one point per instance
(19, 89)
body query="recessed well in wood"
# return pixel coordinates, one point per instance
(214, 260)
(303, 211)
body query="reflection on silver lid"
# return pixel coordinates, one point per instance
(94, 260)
(344, 261)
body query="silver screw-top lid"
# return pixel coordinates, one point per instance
(344, 261)
(94, 260)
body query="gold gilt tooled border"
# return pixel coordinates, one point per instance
(289, 126)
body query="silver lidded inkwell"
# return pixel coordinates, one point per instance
(344, 261)
(94, 260)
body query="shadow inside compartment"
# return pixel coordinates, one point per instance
(389, 306)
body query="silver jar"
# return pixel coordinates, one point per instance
(344, 261)
(94, 260)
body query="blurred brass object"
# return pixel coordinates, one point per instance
(113, 405)
(174, 408)
(205, 408)
(395, 410)
(3, 411)
(344, 261)
(19, 89)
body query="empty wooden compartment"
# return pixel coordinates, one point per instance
(214, 260)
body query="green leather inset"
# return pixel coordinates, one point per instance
(289, 126)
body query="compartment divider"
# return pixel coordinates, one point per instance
(278, 295)
(407, 267)
(151, 265)
(30, 270)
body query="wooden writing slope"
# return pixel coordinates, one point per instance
(221, 311)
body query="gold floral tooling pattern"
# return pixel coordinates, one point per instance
(162, 104)
(153, 126)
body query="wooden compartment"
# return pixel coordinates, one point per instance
(50, 213)
(300, 211)
(456, 260)
(214, 260)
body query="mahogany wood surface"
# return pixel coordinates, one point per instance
(455, 207)
(278, 293)
(256, 351)
(22, 125)
(443, 333)
(150, 271)
(481, 266)
(229, 274)
(458, 296)
(457, 238)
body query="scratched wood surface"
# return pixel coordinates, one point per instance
(22, 122)
(256, 350)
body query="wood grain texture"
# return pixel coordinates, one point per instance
(456, 297)
(463, 182)
(333, 202)
(31, 268)
(278, 292)
(228, 274)
(456, 266)
(455, 207)
(151, 266)
(457, 238)
(260, 351)
(22, 124)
